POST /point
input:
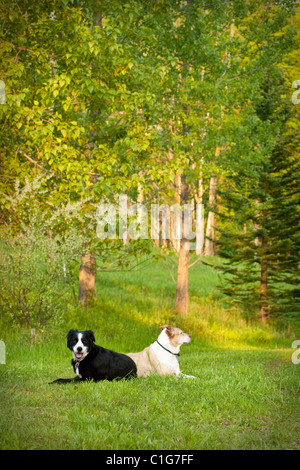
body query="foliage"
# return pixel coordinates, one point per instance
(267, 237)
(32, 279)
(102, 106)
(104, 98)
(37, 258)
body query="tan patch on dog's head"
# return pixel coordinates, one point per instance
(165, 326)
(176, 336)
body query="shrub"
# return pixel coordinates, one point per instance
(37, 253)
(35, 276)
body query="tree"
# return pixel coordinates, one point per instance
(72, 80)
(216, 109)
(263, 252)
(132, 97)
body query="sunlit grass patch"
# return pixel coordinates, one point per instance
(245, 395)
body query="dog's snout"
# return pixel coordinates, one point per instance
(79, 349)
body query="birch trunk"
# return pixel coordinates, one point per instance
(182, 283)
(200, 222)
(210, 234)
(175, 221)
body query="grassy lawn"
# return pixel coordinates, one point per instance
(246, 395)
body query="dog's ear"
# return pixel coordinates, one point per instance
(165, 326)
(70, 336)
(91, 335)
(71, 333)
(169, 329)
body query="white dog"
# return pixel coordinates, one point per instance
(162, 355)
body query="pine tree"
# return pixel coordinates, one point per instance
(262, 249)
(284, 229)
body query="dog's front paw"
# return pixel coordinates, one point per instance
(187, 376)
(60, 381)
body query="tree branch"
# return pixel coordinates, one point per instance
(30, 159)
(170, 272)
(195, 262)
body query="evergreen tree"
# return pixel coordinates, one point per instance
(262, 250)
(284, 229)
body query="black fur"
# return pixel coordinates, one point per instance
(88, 336)
(99, 363)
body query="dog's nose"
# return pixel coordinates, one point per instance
(79, 348)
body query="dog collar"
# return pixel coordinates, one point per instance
(174, 354)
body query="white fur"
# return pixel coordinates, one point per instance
(166, 357)
(84, 349)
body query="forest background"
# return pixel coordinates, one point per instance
(164, 102)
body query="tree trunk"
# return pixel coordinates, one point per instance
(199, 230)
(210, 235)
(200, 222)
(123, 209)
(140, 200)
(182, 286)
(175, 218)
(87, 278)
(263, 289)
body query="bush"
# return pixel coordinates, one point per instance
(35, 276)
(37, 253)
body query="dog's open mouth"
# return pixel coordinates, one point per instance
(78, 355)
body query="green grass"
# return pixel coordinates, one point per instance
(246, 395)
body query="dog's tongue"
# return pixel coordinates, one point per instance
(78, 355)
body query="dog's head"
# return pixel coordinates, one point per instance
(176, 336)
(80, 343)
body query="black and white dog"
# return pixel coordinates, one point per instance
(92, 362)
